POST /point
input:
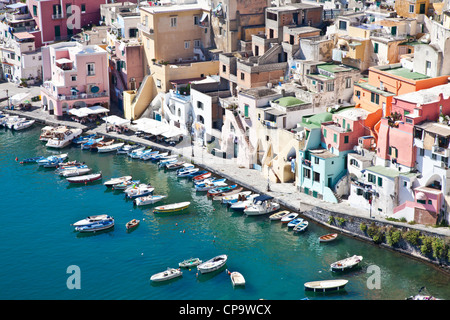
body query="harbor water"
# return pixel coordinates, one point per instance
(39, 245)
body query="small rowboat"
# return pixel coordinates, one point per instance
(346, 263)
(289, 217)
(279, 215)
(170, 273)
(213, 264)
(31, 160)
(328, 237)
(301, 226)
(191, 262)
(237, 279)
(150, 199)
(85, 178)
(325, 285)
(294, 222)
(174, 207)
(202, 177)
(132, 224)
(114, 181)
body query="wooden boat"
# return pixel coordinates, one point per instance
(237, 279)
(139, 191)
(262, 205)
(289, 217)
(210, 185)
(73, 172)
(220, 196)
(279, 215)
(146, 200)
(242, 205)
(101, 144)
(325, 285)
(191, 262)
(189, 173)
(148, 155)
(132, 224)
(83, 139)
(127, 148)
(301, 226)
(346, 263)
(202, 177)
(114, 181)
(170, 273)
(294, 222)
(174, 207)
(110, 148)
(156, 157)
(97, 226)
(328, 237)
(92, 219)
(125, 184)
(239, 196)
(213, 264)
(216, 191)
(136, 153)
(87, 145)
(85, 178)
(175, 165)
(31, 160)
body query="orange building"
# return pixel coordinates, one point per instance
(375, 93)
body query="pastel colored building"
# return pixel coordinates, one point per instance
(74, 76)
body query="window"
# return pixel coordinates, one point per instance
(316, 177)
(83, 8)
(345, 139)
(90, 69)
(342, 25)
(35, 11)
(224, 68)
(380, 181)
(375, 98)
(197, 43)
(335, 138)
(375, 47)
(430, 202)
(158, 83)
(242, 76)
(196, 20)
(307, 173)
(316, 160)
(324, 133)
(411, 8)
(354, 162)
(371, 178)
(330, 86)
(200, 105)
(74, 78)
(187, 44)
(422, 8)
(173, 21)
(348, 82)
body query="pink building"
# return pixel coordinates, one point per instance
(396, 134)
(74, 76)
(54, 21)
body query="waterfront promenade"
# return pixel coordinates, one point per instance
(285, 193)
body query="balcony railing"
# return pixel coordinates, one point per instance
(82, 96)
(145, 28)
(57, 16)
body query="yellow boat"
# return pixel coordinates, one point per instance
(174, 207)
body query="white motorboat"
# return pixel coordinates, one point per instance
(136, 153)
(346, 263)
(173, 207)
(75, 172)
(241, 196)
(262, 205)
(127, 148)
(287, 218)
(242, 205)
(213, 264)
(208, 186)
(237, 279)
(96, 226)
(187, 172)
(149, 155)
(47, 132)
(139, 191)
(146, 200)
(12, 120)
(92, 219)
(23, 124)
(170, 273)
(110, 148)
(114, 181)
(85, 178)
(126, 184)
(63, 137)
(325, 285)
(55, 159)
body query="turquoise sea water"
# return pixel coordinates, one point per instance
(38, 243)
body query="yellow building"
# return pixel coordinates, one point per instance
(174, 39)
(412, 8)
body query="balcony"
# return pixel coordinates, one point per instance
(81, 96)
(57, 16)
(145, 28)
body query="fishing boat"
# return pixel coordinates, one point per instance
(237, 279)
(325, 285)
(191, 262)
(146, 200)
(92, 219)
(125, 149)
(110, 148)
(240, 196)
(125, 184)
(63, 137)
(132, 224)
(187, 173)
(174, 165)
(115, 181)
(11, 121)
(21, 125)
(96, 226)
(136, 153)
(139, 191)
(301, 226)
(294, 222)
(94, 147)
(202, 177)
(167, 159)
(53, 159)
(216, 191)
(279, 215)
(156, 157)
(148, 155)
(262, 205)
(170, 273)
(85, 178)
(220, 196)
(210, 185)
(291, 216)
(185, 168)
(69, 165)
(328, 237)
(174, 207)
(75, 172)
(213, 264)
(242, 205)
(83, 139)
(31, 160)
(346, 263)
(90, 142)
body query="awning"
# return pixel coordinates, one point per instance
(63, 60)
(275, 112)
(262, 198)
(173, 132)
(98, 109)
(159, 130)
(204, 17)
(78, 112)
(19, 97)
(23, 35)
(16, 5)
(115, 120)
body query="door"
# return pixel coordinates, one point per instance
(57, 32)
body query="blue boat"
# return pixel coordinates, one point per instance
(31, 160)
(52, 161)
(84, 139)
(148, 154)
(87, 145)
(97, 226)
